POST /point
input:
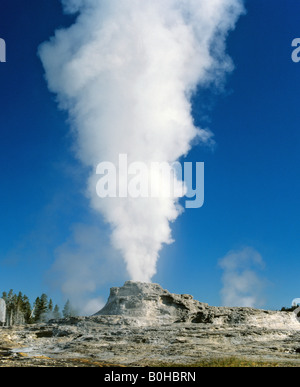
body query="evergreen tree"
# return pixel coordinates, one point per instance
(19, 311)
(18, 308)
(19, 317)
(41, 308)
(36, 309)
(44, 303)
(50, 306)
(56, 312)
(68, 310)
(26, 309)
(11, 308)
(4, 296)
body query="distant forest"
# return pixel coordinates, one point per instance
(20, 311)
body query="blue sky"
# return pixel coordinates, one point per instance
(251, 176)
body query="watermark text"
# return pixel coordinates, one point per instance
(152, 180)
(2, 50)
(296, 51)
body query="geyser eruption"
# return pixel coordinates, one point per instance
(126, 72)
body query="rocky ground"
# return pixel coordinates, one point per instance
(144, 325)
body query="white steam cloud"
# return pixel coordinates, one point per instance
(79, 270)
(242, 283)
(126, 72)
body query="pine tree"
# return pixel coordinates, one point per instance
(26, 309)
(50, 306)
(68, 310)
(18, 315)
(4, 296)
(19, 310)
(56, 312)
(41, 308)
(36, 309)
(10, 306)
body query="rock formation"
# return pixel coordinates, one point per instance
(150, 304)
(142, 325)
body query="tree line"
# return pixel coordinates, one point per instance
(20, 311)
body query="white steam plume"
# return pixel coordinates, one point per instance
(126, 72)
(242, 283)
(79, 272)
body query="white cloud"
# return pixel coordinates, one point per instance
(242, 281)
